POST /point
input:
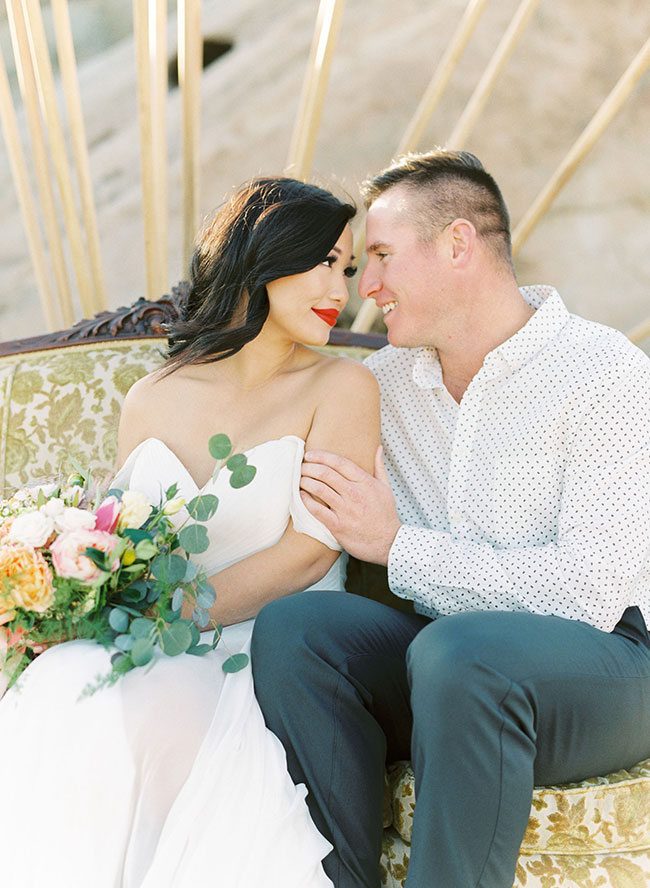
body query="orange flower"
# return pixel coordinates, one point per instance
(26, 578)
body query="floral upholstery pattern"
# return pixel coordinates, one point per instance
(66, 401)
(592, 834)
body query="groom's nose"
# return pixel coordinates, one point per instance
(369, 283)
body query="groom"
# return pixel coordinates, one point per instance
(517, 444)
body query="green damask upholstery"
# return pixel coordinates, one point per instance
(67, 400)
(593, 834)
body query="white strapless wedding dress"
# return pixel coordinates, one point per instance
(168, 779)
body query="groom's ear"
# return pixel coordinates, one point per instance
(460, 239)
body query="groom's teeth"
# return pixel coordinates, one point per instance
(388, 307)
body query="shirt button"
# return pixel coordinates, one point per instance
(456, 516)
(462, 451)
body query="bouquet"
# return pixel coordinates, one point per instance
(78, 564)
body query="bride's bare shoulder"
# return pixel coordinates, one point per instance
(346, 376)
(145, 402)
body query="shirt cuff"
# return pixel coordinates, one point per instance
(398, 569)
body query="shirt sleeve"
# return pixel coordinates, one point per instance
(601, 555)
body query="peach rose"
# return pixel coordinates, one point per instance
(5, 527)
(29, 580)
(69, 558)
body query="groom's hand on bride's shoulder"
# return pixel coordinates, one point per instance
(358, 508)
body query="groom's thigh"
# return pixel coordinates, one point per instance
(585, 692)
(317, 635)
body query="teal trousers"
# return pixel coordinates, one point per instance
(486, 704)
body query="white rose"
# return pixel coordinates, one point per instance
(52, 508)
(135, 509)
(31, 529)
(72, 519)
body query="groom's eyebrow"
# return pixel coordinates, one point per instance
(377, 246)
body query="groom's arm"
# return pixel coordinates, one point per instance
(595, 567)
(356, 507)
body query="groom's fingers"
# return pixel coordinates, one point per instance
(339, 464)
(321, 491)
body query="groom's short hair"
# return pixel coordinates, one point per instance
(448, 185)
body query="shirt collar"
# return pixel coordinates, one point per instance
(551, 314)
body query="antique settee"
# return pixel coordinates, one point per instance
(61, 394)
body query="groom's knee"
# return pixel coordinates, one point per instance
(281, 633)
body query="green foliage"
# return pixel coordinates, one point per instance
(220, 446)
(145, 585)
(235, 663)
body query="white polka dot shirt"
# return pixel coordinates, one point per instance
(533, 493)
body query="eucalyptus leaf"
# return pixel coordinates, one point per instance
(118, 620)
(201, 617)
(130, 595)
(121, 663)
(142, 651)
(235, 663)
(202, 508)
(194, 539)
(199, 649)
(134, 593)
(190, 571)
(242, 476)
(206, 596)
(168, 568)
(194, 632)
(154, 593)
(219, 446)
(141, 627)
(177, 598)
(236, 461)
(124, 642)
(176, 639)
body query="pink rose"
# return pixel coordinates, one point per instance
(107, 514)
(68, 556)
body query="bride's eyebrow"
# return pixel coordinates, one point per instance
(338, 252)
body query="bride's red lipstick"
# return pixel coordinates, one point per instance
(329, 315)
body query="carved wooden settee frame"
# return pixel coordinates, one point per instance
(147, 318)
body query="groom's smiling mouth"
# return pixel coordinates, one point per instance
(388, 307)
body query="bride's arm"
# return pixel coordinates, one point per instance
(346, 422)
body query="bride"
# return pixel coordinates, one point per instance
(170, 778)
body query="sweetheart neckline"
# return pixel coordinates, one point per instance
(201, 488)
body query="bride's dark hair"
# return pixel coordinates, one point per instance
(270, 228)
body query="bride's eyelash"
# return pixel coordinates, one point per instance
(349, 272)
